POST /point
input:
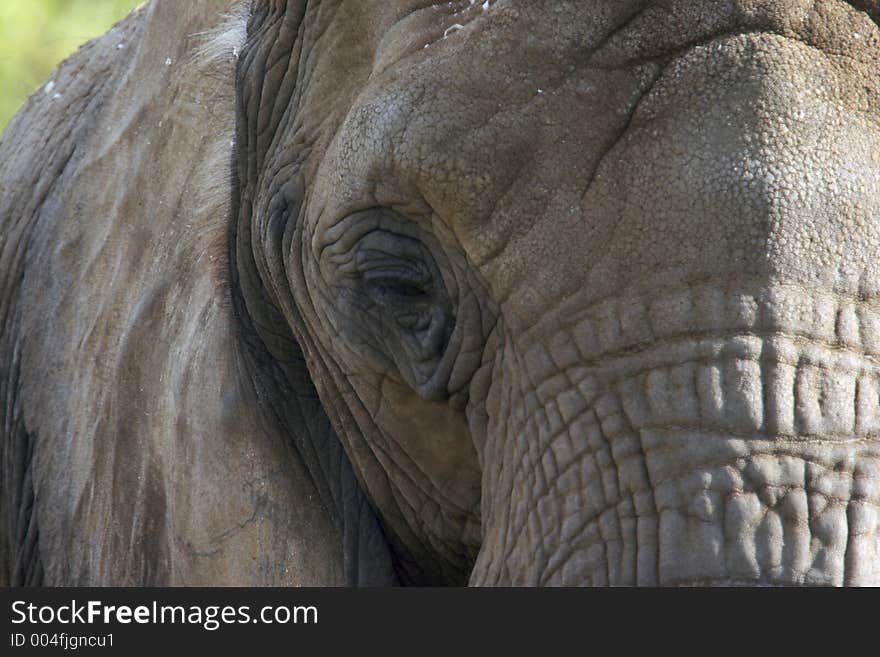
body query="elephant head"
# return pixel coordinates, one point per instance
(587, 293)
(587, 289)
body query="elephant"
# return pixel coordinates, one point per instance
(503, 293)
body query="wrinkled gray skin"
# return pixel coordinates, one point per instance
(571, 293)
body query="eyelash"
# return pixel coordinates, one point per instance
(400, 282)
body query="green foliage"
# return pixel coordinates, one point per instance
(36, 35)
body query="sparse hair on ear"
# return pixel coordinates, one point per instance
(224, 42)
(214, 56)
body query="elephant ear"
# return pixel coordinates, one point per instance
(147, 435)
(39, 153)
(265, 199)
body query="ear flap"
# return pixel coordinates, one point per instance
(262, 209)
(39, 153)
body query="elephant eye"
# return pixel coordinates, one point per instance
(390, 285)
(390, 298)
(394, 270)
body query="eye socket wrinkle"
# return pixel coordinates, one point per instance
(396, 282)
(372, 262)
(394, 269)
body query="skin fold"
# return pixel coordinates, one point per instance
(299, 292)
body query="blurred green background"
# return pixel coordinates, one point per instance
(35, 35)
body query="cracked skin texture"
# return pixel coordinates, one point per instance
(573, 293)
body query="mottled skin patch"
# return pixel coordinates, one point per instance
(543, 292)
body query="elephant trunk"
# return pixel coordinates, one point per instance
(694, 398)
(715, 434)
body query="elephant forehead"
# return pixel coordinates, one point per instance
(774, 171)
(504, 117)
(459, 123)
(506, 150)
